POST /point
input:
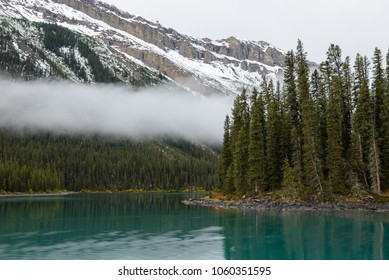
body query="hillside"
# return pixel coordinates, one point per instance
(91, 42)
(128, 48)
(44, 162)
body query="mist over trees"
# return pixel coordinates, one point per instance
(102, 138)
(325, 133)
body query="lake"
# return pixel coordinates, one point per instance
(158, 226)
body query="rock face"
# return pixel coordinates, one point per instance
(167, 38)
(224, 66)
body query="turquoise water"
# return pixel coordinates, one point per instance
(158, 226)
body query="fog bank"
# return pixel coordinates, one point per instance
(111, 110)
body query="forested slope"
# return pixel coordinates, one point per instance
(35, 50)
(46, 162)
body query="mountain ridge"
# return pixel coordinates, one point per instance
(202, 65)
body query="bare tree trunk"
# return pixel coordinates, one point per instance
(374, 165)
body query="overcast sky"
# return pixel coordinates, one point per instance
(355, 25)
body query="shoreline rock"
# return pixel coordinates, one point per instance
(256, 204)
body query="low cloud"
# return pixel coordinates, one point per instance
(111, 110)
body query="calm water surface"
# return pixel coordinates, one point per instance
(158, 226)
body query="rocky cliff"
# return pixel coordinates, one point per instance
(202, 65)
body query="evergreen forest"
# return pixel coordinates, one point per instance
(323, 133)
(46, 162)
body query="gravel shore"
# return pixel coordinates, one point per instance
(257, 204)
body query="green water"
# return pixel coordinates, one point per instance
(158, 226)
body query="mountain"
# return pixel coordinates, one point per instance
(92, 41)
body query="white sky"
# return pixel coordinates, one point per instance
(355, 25)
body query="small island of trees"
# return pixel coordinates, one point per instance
(325, 133)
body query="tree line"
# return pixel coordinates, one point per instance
(36, 162)
(324, 132)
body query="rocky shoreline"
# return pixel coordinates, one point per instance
(267, 204)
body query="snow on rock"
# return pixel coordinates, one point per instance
(225, 66)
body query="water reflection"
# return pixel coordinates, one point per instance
(306, 235)
(107, 226)
(204, 244)
(158, 226)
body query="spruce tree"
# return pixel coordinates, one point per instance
(383, 138)
(290, 89)
(381, 115)
(336, 180)
(293, 115)
(290, 185)
(378, 89)
(235, 126)
(334, 154)
(274, 152)
(257, 144)
(364, 117)
(319, 100)
(346, 107)
(240, 139)
(342, 70)
(285, 131)
(225, 160)
(313, 173)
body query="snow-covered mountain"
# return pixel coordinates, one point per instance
(129, 48)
